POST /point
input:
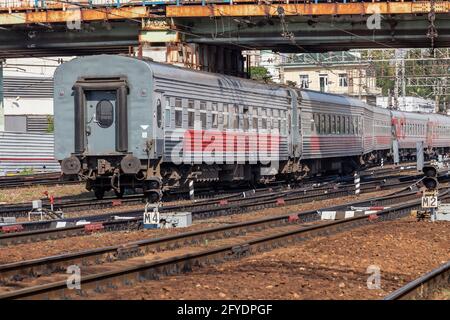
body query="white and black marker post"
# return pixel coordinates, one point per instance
(191, 189)
(357, 180)
(382, 162)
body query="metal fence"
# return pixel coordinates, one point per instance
(27, 151)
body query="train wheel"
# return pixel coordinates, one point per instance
(99, 193)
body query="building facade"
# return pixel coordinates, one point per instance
(334, 72)
(26, 97)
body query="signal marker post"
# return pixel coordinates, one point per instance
(151, 218)
(430, 194)
(357, 181)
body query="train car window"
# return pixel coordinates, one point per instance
(158, 113)
(283, 127)
(167, 118)
(214, 121)
(236, 121)
(178, 103)
(225, 120)
(322, 123)
(178, 118)
(191, 119)
(338, 125)
(203, 119)
(279, 125)
(313, 126)
(214, 117)
(344, 125)
(255, 123)
(289, 121)
(264, 123)
(317, 122)
(332, 124)
(276, 113)
(104, 113)
(202, 105)
(327, 124)
(246, 122)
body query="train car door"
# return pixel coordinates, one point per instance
(158, 124)
(100, 118)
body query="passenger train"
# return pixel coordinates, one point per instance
(123, 122)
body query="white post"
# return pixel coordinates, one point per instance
(357, 183)
(191, 189)
(382, 162)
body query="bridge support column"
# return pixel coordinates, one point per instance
(157, 33)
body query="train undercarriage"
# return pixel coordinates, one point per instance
(153, 177)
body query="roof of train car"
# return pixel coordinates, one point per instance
(169, 71)
(326, 97)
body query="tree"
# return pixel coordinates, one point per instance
(260, 73)
(50, 124)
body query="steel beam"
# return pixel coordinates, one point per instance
(59, 16)
(307, 9)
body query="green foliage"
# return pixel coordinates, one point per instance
(385, 74)
(50, 124)
(259, 73)
(26, 171)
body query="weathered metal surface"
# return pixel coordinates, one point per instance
(20, 151)
(58, 16)
(248, 10)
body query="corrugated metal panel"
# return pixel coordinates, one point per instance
(24, 151)
(37, 123)
(30, 87)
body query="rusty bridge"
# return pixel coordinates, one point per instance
(217, 30)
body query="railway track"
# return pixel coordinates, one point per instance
(424, 287)
(20, 210)
(153, 258)
(132, 219)
(47, 179)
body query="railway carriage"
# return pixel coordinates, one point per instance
(122, 122)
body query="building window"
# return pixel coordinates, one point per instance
(343, 80)
(304, 81)
(323, 82)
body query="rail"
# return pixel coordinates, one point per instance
(425, 286)
(148, 270)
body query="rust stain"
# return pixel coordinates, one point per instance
(305, 9)
(55, 16)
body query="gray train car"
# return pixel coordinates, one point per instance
(122, 122)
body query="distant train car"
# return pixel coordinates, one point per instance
(122, 122)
